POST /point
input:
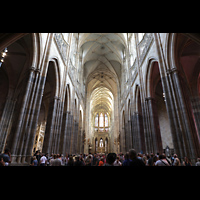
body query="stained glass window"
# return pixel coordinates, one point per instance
(101, 142)
(106, 120)
(96, 120)
(101, 120)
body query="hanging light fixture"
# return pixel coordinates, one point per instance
(3, 55)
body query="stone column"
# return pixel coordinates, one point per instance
(135, 132)
(148, 128)
(127, 137)
(57, 125)
(141, 133)
(83, 141)
(29, 118)
(184, 115)
(195, 104)
(63, 138)
(39, 84)
(171, 100)
(18, 132)
(6, 123)
(74, 135)
(49, 139)
(39, 88)
(68, 134)
(122, 140)
(130, 135)
(153, 122)
(60, 122)
(174, 117)
(79, 140)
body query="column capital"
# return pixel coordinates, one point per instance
(174, 70)
(32, 69)
(149, 98)
(37, 71)
(168, 71)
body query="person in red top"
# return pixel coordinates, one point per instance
(101, 162)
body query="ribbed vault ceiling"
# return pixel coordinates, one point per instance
(102, 57)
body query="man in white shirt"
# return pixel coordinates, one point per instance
(162, 161)
(117, 162)
(43, 160)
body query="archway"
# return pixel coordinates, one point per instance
(138, 129)
(65, 124)
(161, 136)
(124, 141)
(15, 73)
(186, 60)
(80, 125)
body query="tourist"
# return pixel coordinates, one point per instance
(38, 155)
(94, 161)
(117, 162)
(52, 160)
(169, 160)
(121, 158)
(198, 162)
(110, 159)
(126, 161)
(48, 159)
(101, 162)
(77, 161)
(176, 161)
(88, 161)
(70, 161)
(147, 159)
(57, 161)
(98, 160)
(162, 161)
(61, 159)
(144, 158)
(134, 160)
(82, 161)
(34, 162)
(187, 162)
(155, 158)
(6, 157)
(43, 160)
(66, 159)
(150, 161)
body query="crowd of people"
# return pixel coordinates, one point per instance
(131, 158)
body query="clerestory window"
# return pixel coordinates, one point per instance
(101, 122)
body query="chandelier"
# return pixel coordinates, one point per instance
(3, 54)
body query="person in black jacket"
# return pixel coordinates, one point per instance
(134, 160)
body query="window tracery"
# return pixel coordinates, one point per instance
(101, 122)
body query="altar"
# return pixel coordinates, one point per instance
(100, 150)
(101, 142)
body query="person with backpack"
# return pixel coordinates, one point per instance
(162, 161)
